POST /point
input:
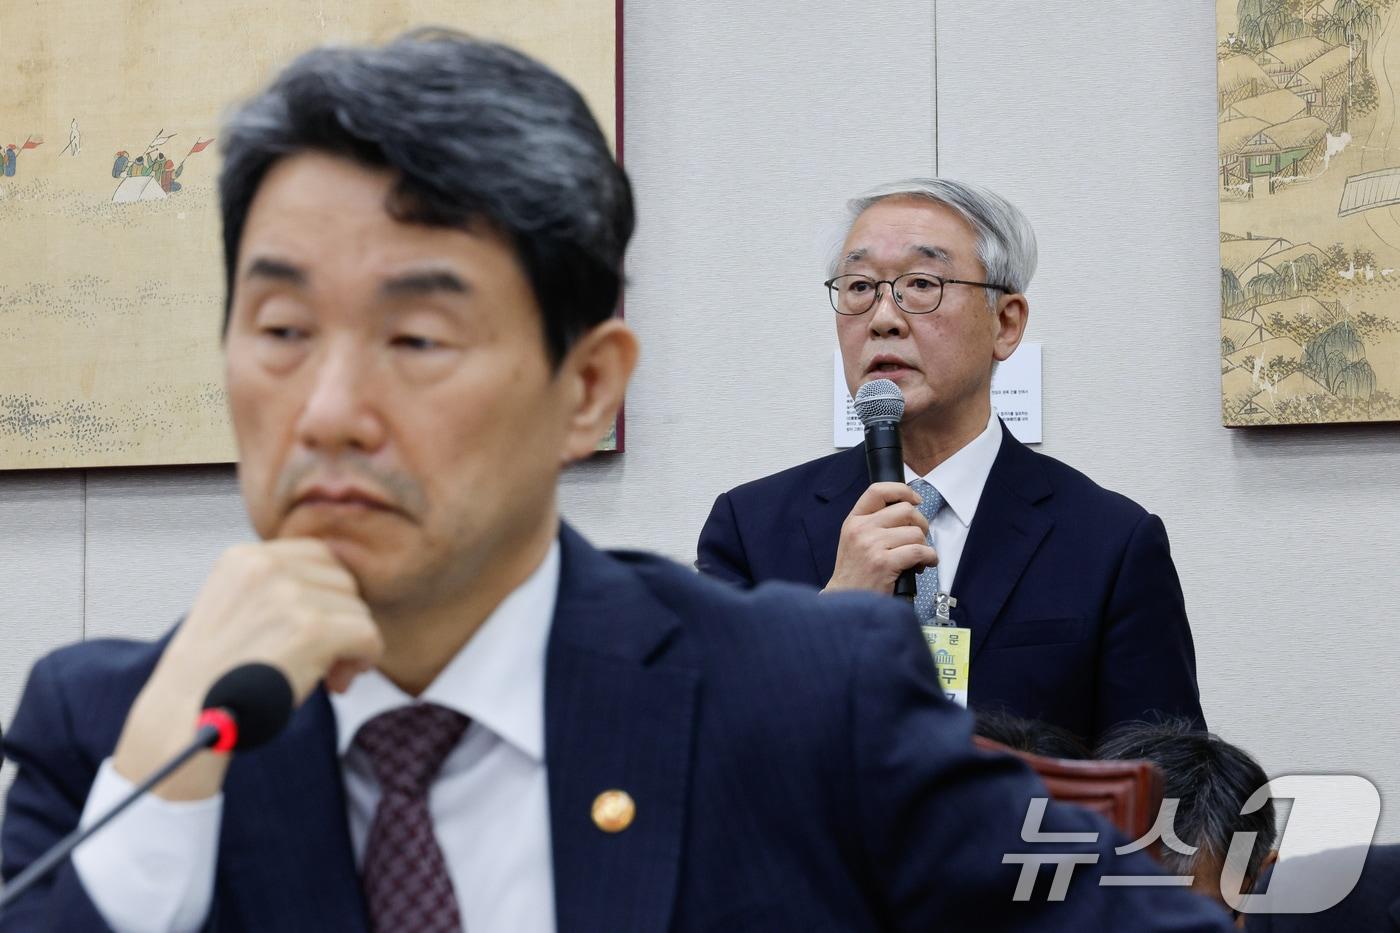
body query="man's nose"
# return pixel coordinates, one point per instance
(341, 411)
(886, 318)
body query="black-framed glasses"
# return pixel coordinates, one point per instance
(914, 292)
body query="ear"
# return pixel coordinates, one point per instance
(1251, 883)
(1012, 314)
(1267, 862)
(595, 373)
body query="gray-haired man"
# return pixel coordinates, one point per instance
(1067, 591)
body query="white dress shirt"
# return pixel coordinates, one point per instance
(960, 480)
(152, 869)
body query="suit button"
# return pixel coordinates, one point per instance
(613, 811)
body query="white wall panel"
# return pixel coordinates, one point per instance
(41, 573)
(152, 538)
(41, 579)
(748, 125)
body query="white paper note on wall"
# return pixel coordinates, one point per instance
(1015, 397)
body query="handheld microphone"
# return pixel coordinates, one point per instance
(880, 407)
(243, 709)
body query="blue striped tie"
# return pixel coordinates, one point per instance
(925, 605)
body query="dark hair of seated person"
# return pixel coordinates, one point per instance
(1028, 735)
(477, 136)
(1211, 780)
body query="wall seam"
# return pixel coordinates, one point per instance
(84, 594)
(937, 108)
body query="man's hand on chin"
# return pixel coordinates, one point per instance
(288, 603)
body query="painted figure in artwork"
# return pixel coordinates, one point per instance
(12, 153)
(162, 170)
(75, 139)
(167, 177)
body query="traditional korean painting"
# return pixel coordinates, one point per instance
(111, 282)
(1309, 185)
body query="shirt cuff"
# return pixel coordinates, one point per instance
(150, 870)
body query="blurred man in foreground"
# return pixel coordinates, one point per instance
(500, 728)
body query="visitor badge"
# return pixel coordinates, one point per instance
(951, 647)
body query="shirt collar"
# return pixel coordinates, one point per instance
(496, 680)
(961, 478)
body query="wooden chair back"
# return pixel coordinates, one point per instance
(1127, 793)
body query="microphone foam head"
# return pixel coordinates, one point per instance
(879, 400)
(259, 698)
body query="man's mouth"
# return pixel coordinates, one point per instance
(342, 498)
(887, 366)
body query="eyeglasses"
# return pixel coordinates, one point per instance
(914, 292)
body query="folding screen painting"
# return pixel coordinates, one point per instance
(1309, 186)
(111, 286)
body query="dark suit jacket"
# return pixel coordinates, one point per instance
(1075, 608)
(793, 763)
(1373, 906)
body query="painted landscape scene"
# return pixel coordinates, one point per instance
(1309, 187)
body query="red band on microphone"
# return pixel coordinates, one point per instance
(228, 729)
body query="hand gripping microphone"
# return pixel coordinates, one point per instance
(245, 708)
(880, 407)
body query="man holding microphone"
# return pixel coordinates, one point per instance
(1066, 590)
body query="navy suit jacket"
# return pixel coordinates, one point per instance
(792, 760)
(1075, 608)
(1372, 906)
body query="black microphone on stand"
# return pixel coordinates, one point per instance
(880, 407)
(245, 708)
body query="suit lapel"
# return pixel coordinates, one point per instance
(836, 491)
(1006, 531)
(285, 840)
(619, 715)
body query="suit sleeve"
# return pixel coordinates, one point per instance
(44, 804)
(149, 869)
(938, 816)
(1147, 662)
(720, 553)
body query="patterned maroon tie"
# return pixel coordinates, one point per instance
(406, 883)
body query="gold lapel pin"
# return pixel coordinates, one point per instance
(613, 811)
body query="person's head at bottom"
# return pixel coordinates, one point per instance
(1210, 780)
(1028, 735)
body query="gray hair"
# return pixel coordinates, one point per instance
(1211, 780)
(1005, 240)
